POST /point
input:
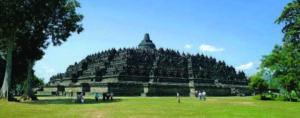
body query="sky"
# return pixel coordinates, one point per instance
(239, 32)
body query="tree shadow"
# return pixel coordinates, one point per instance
(70, 101)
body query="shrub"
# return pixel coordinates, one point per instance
(279, 97)
(294, 95)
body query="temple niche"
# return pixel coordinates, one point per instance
(148, 71)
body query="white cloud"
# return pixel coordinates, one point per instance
(48, 70)
(209, 48)
(187, 46)
(44, 71)
(245, 66)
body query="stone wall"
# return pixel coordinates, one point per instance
(99, 89)
(84, 80)
(43, 93)
(50, 89)
(168, 90)
(126, 89)
(222, 91)
(73, 89)
(214, 91)
(146, 89)
(66, 82)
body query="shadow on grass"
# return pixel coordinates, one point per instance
(69, 101)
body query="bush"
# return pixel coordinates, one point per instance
(294, 95)
(280, 97)
(276, 97)
(266, 97)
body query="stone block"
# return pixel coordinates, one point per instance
(74, 89)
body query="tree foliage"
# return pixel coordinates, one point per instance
(257, 83)
(291, 19)
(26, 25)
(284, 61)
(35, 82)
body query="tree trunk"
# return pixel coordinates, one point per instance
(261, 95)
(29, 95)
(298, 94)
(6, 86)
(290, 95)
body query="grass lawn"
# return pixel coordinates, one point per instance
(140, 107)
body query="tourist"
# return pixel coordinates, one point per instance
(178, 97)
(78, 100)
(81, 98)
(111, 96)
(97, 96)
(200, 95)
(107, 96)
(204, 95)
(196, 94)
(103, 97)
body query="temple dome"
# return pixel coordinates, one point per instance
(147, 43)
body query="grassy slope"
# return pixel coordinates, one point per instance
(152, 107)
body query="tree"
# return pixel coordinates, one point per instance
(10, 25)
(2, 68)
(19, 72)
(66, 21)
(291, 19)
(273, 82)
(258, 84)
(241, 76)
(284, 64)
(37, 82)
(39, 21)
(298, 89)
(289, 83)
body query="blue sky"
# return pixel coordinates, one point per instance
(239, 32)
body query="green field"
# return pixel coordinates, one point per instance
(141, 107)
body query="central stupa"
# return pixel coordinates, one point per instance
(147, 43)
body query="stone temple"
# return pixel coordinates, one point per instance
(148, 71)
